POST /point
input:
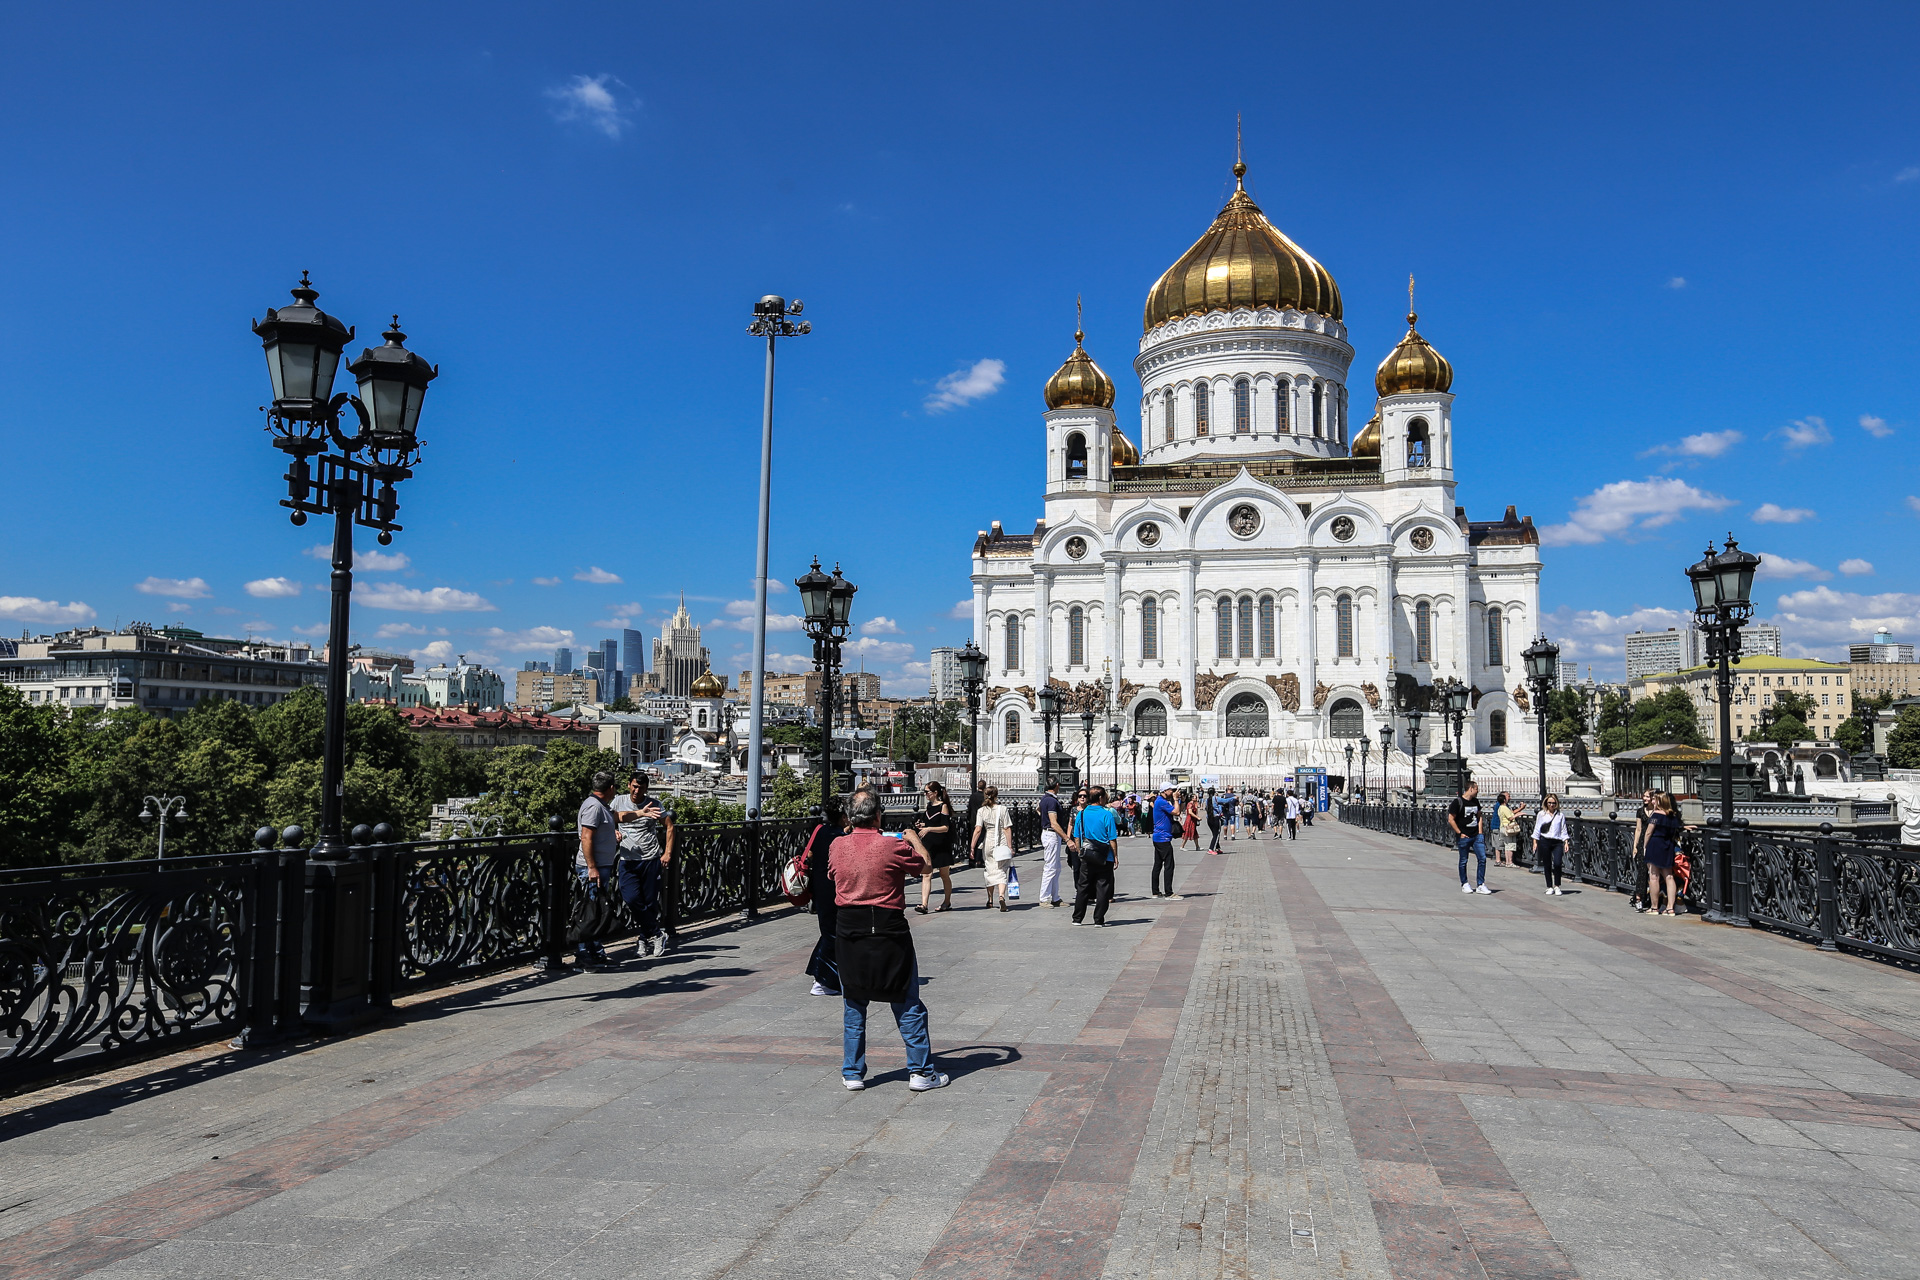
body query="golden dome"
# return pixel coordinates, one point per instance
(708, 686)
(1124, 454)
(1242, 261)
(1412, 366)
(1367, 443)
(1080, 382)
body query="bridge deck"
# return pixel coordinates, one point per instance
(1325, 1061)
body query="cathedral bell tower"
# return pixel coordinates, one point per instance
(1083, 444)
(1413, 424)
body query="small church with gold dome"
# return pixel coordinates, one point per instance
(1242, 579)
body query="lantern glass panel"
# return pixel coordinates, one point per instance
(840, 600)
(1735, 577)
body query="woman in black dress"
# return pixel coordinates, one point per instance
(824, 966)
(935, 825)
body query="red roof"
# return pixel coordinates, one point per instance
(505, 721)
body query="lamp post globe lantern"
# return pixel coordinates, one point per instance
(303, 346)
(1542, 660)
(840, 598)
(1348, 780)
(815, 590)
(393, 385)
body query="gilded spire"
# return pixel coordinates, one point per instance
(1413, 365)
(1239, 164)
(1079, 382)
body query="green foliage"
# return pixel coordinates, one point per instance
(623, 704)
(794, 735)
(526, 786)
(908, 737)
(39, 792)
(1903, 740)
(1563, 731)
(1614, 740)
(1565, 708)
(1849, 736)
(1782, 731)
(790, 796)
(1665, 717)
(704, 809)
(1800, 706)
(1614, 712)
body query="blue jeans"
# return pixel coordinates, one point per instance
(640, 890)
(1467, 845)
(910, 1015)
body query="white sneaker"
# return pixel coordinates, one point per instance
(1176, 897)
(1466, 888)
(920, 1083)
(853, 1085)
(824, 991)
(1483, 889)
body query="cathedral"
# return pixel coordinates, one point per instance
(1252, 584)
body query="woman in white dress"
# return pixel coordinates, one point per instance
(993, 843)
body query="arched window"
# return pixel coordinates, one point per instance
(1423, 632)
(1340, 424)
(1418, 446)
(1246, 626)
(1247, 716)
(1343, 626)
(1076, 456)
(1223, 628)
(1173, 414)
(1346, 720)
(1283, 405)
(1149, 628)
(1013, 642)
(1266, 626)
(1497, 730)
(1013, 727)
(1202, 415)
(1494, 656)
(1076, 637)
(1242, 407)
(1150, 721)
(1319, 412)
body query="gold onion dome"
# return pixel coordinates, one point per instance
(1242, 261)
(1124, 454)
(708, 686)
(1412, 366)
(1080, 383)
(1367, 443)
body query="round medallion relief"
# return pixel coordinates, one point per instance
(1077, 547)
(1422, 539)
(1148, 533)
(1342, 529)
(1244, 520)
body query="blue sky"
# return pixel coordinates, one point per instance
(1671, 256)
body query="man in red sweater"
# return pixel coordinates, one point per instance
(873, 943)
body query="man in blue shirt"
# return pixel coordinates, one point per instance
(1095, 838)
(1164, 823)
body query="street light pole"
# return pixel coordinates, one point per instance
(1366, 744)
(176, 805)
(1346, 783)
(1386, 754)
(1150, 764)
(770, 320)
(1049, 701)
(1086, 733)
(1413, 752)
(1723, 594)
(1133, 745)
(828, 606)
(1113, 746)
(973, 678)
(1542, 659)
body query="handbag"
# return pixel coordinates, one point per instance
(595, 914)
(1013, 882)
(796, 886)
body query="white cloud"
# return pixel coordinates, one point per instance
(185, 588)
(1705, 444)
(546, 582)
(436, 651)
(632, 609)
(740, 618)
(1875, 427)
(880, 650)
(1626, 507)
(964, 386)
(1913, 504)
(1908, 174)
(273, 588)
(531, 640)
(1676, 282)
(1772, 566)
(881, 626)
(1821, 615)
(592, 101)
(391, 595)
(964, 609)
(34, 609)
(394, 630)
(1856, 568)
(622, 623)
(364, 561)
(174, 606)
(597, 575)
(1769, 513)
(1806, 431)
(317, 629)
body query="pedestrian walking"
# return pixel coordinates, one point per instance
(1463, 818)
(1053, 843)
(824, 966)
(1165, 814)
(1216, 814)
(875, 944)
(1293, 816)
(1642, 824)
(1507, 817)
(646, 848)
(1550, 842)
(935, 825)
(1663, 842)
(1094, 835)
(1189, 821)
(993, 843)
(594, 862)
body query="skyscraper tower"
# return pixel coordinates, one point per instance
(678, 658)
(563, 661)
(633, 656)
(610, 663)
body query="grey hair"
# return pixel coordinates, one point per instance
(863, 809)
(603, 782)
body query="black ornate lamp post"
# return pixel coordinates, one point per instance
(973, 678)
(1542, 659)
(1413, 748)
(1133, 748)
(1113, 745)
(1049, 709)
(1150, 764)
(828, 605)
(1386, 754)
(353, 484)
(1723, 603)
(1086, 733)
(1458, 698)
(175, 806)
(1347, 782)
(1366, 744)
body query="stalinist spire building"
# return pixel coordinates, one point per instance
(678, 658)
(1252, 584)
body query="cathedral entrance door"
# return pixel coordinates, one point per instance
(1247, 716)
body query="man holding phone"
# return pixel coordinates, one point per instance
(646, 847)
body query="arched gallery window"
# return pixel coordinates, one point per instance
(1013, 727)
(1283, 405)
(1173, 415)
(1247, 716)
(1343, 627)
(1497, 730)
(1202, 418)
(1266, 627)
(1013, 642)
(1418, 446)
(1150, 721)
(1223, 628)
(1246, 626)
(1149, 628)
(1346, 720)
(1494, 657)
(1423, 632)
(1242, 407)
(1076, 637)
(1076, 457)
(1319, 412)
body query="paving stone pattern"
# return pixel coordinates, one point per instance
(1324, 1061)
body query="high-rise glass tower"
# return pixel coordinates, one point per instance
(563, 661)
(633, 655)
(610, 663)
